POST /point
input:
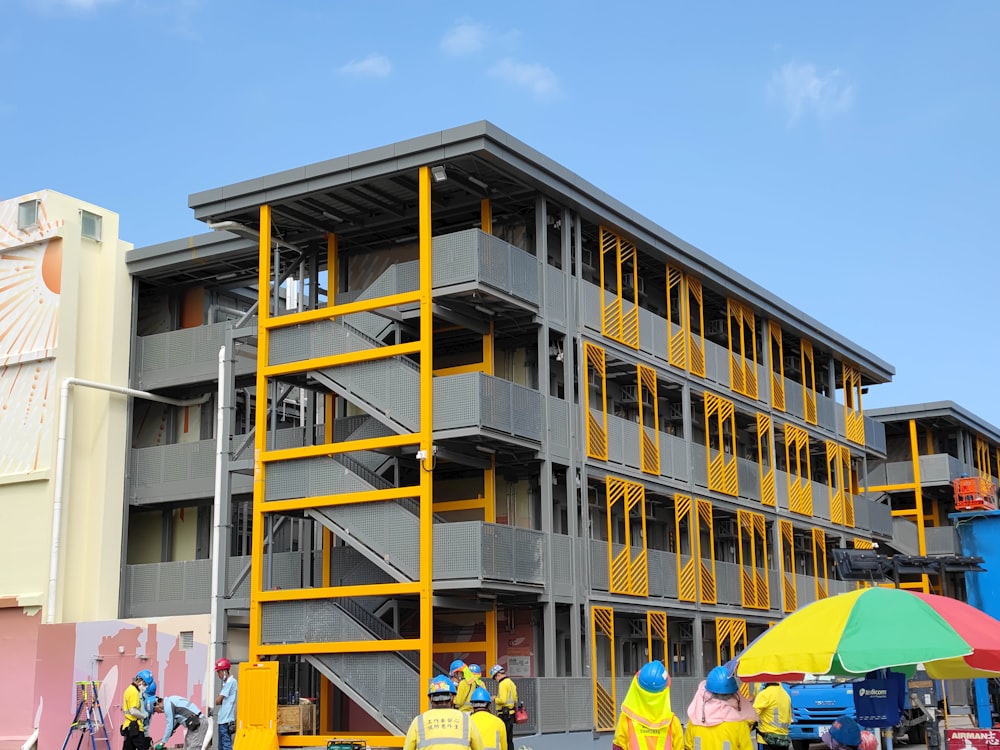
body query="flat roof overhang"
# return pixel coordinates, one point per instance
(370, 199)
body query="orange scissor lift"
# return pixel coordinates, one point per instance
(974, 493)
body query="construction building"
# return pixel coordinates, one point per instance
(446, 399)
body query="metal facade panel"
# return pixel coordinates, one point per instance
(529, 555)
(455, 258)
(563, 569)
(874, 435)
(699, 465)
(821, 501)
(455, 404)
(794, 403)
(460, 550)
(590, 306)
(825, 408)
(599, 580)
(748, 478)
(523, 274)
(879, 518)
(525, 412)
(727, 583)
(616, 431)
(555, 294)
(559, 427)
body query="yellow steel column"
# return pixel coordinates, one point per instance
(486, 216)
(491, 638)
(426, 440)
(918, 495)
(488, 351)
(260, 436)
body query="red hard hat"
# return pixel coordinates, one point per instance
(222, 663)
(868, 741)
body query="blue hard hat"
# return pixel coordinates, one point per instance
(720, 682)
(476, 669)
(480, 695)
(145, 675)
(151, 688)
(653, 677)
(440, 685)
(846, 731)
(456, 665)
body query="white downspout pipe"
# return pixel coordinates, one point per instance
(60, 478)
(31, 741)
(221, 451)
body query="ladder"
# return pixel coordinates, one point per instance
(89, 717)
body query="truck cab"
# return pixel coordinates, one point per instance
(815, 705)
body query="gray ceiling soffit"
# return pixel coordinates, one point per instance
(506, 152)
(936, 410)
(212, 249)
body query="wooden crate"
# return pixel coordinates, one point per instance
(300, 719)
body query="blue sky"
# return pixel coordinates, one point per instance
(842, 155)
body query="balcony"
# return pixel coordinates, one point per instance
(935, 469)
(466, 553)
(188, 355)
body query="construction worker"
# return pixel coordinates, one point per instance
(464, 685)
(136, 718)
(773, 705)
(843, 734)
(226, 700)
(476, 675)
(148, 700)
(180, 711)
(506, 701)
(719, 717)
(441, 725)
(491, 729)
(646, 721)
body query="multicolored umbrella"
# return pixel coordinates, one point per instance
(876, 628)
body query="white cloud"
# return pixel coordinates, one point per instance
(373, 66)
(464, 39)
(803, 90)
(536, 78)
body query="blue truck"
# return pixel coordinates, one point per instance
(815, 705)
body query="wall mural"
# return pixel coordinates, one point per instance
(30, 275)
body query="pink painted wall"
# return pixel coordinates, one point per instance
(48, 660)
(18, 654)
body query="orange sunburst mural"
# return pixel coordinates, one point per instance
(30, 282)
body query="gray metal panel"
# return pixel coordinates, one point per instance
(171, 588)
(648, 322)
(599, 573)
(874, 435)
(616, 428)
(880, 519)
(794, 404)
(560, 414)
(188, 355)
(560, 703)
(727, 583)
(510, 408)
(555, 294)
(662, 573)
(862, 508)
(180, 471)
(489, 551)
(456, 258)
(455, 401)
(748, 478)
(821, 501)
(826, 409)
(563, 570)
(781, 489)
(590, 306)
(679, 456)
(699, 465)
